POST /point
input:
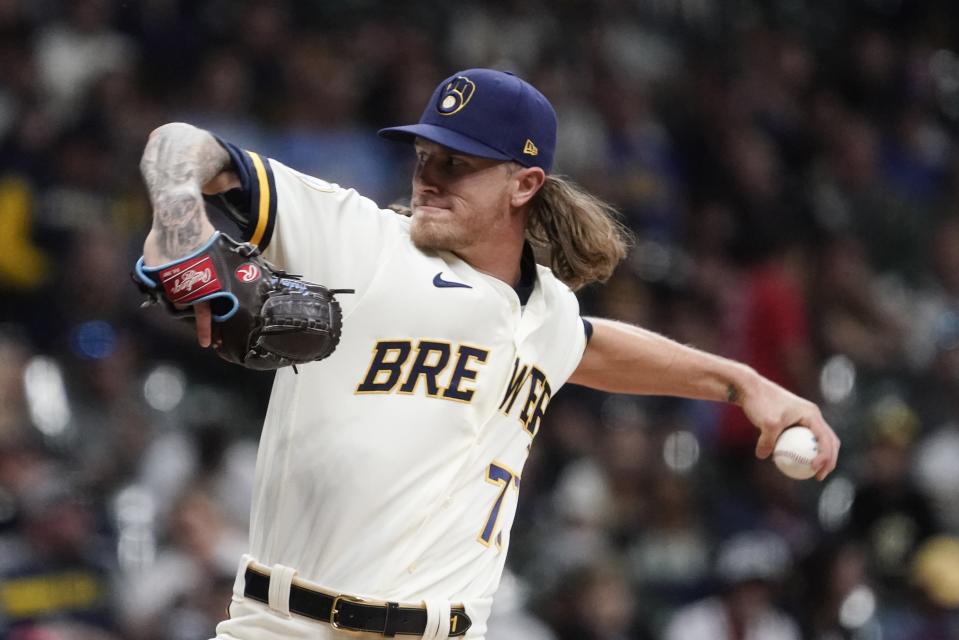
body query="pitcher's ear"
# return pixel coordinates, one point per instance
(528, 181)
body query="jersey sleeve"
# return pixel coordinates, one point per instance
(253, 206)
(580, 333)
(576, 331)
(327, 234)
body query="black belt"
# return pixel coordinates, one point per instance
(354, 614)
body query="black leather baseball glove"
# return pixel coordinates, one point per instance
(263, 318)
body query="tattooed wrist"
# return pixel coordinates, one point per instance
(177, 161)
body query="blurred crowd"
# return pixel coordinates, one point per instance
(789, 169)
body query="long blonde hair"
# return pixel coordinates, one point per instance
(575, 233)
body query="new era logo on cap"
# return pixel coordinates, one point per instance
(487, 113)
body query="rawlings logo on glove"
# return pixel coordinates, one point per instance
(248, 272)
(183, 281)
(263, 318)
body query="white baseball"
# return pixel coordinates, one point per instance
(794, 452)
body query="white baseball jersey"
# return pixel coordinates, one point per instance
(391, 469)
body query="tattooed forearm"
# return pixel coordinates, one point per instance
(181, 239)
(178, 217)
(177, 161)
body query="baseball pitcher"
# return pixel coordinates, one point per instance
(416, 355)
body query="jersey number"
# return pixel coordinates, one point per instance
(499, 475)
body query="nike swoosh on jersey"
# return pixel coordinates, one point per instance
(438, 281)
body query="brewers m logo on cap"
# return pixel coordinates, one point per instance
(455, 95)
(488, 114)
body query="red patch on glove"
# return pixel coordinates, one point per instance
(187, 281)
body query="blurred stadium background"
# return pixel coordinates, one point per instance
(789, 168)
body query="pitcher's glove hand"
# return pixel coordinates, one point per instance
(263, 318)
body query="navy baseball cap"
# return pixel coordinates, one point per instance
(490, 114)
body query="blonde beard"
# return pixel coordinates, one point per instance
(428, 236)
(456, 233)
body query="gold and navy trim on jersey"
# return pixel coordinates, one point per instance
(264, 199)
(253, 205)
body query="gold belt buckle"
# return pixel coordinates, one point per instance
(334, 611)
